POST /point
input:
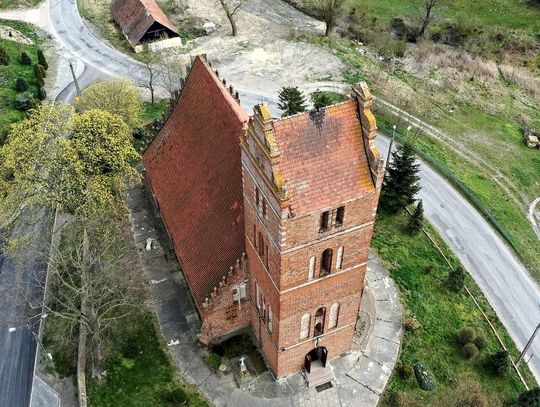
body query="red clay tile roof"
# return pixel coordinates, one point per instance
(323, 159)
(194, 169)
(135, 17)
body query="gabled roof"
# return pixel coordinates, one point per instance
(322, 157)
(193, 167)
(135, 17)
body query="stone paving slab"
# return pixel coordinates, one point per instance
(359, 379)
(43, 395)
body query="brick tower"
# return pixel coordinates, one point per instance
(311, 186)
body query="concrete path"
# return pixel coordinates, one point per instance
(361, 375)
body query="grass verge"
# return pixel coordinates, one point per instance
(9, 74)
(140, 374)
(441, 314)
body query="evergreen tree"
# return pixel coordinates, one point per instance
(5, 59)
(21, 85)
(291, 101)
(321, 99)
(42, 93)
(456, 279)
(416, 222)
(500, 363)
(401, 182)
(530, 398)
(38, 72)
(25, 59)
(42, 60)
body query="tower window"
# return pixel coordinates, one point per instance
(340, 215)
(325, 218)
(339, 260)
(304, 326)
(257, 197)
(326, 263)
(261, 244)
(319, 322)
(266, 256)
(264, 208)
(311, 272)
(334, 316)
(270, 317)
(254, 235)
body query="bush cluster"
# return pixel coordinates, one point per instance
(411, 324)
(214, 361)
(470, 343)
(500, 363)
(530, 398)
(25, 59)
(5, 59)
(456, 279)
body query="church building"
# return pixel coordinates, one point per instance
(271, 218)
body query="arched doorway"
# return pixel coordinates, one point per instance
(316, 358)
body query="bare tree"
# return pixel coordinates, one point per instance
(428, 15)
(171, 74)
(330, 11)
(232, 7)
(153, 75)
(89, 291)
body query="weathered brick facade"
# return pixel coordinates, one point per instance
(311, 185)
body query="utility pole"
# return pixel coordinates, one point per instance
(529, 343)
(75, 79)
(390, 147)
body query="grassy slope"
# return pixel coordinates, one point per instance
(143, 380)
(18, 3)
(9, 74)
(441, 313)
(514, 14)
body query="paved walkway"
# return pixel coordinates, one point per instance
(361, 375)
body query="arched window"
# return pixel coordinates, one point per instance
(304, 326)
(311, 272)
(326, 262)
(334, 316)
(319, 322)
(339, 258)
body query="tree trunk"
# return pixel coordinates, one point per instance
(233, 24)
(427, 18)
(329, 28)
(81, 360)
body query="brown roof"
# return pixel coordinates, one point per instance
(194, 169)
(323, 158)
(135, 17)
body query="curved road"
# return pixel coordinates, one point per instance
(512, 292)
(506, 283)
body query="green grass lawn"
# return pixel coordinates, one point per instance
(9, 74)
(154, 111)
(140, 374)
(17, 3)
(514, 14)
(441, 314)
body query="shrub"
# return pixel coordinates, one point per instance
(429, 268)
(469, 350)
(500, 363)
(25, 59)
(38, 72)
(218, 350)
(42, 93)
(174, 397)
(480, 342)
(42, 60)
(25, 101)
(425, 378)
(131, 349)
(466, 335)
(5, 59)
(456, 279)
(140, 133)
(214, 360)
(396, 399)
(411, 324)
(530, 398)
(476, 400)
(405, 371)
(21, 85)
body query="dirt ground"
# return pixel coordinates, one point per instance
(261, 57)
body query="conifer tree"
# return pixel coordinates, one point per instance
(321, 99)
(21, 85)
(38, 72)
(456, 279)
(42, 60)
(401, 182)
(416, 222)
(41, 93)
(25, 59)
(291, 101)
(5, 59)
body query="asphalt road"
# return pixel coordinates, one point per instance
(507, 285)
(19, 287)
(509, 288)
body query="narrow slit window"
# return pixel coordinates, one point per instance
(270, 317)
(257, 197)
(264, 208)
(340, 215)
(326, 263)
(325, 218)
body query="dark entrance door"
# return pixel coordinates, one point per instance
(320, 354)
